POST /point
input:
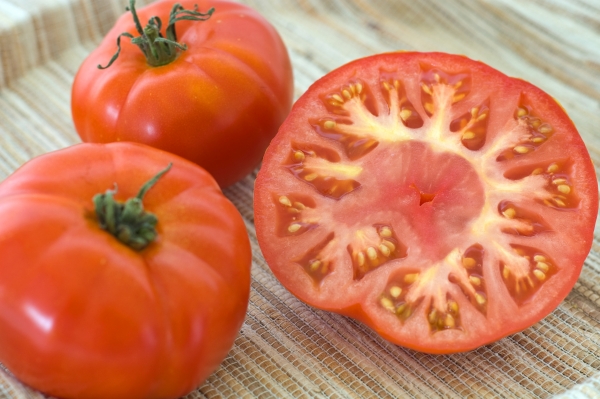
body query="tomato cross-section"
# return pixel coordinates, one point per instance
(435, 199)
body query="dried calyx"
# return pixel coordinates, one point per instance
(159, 50)
(128, 221)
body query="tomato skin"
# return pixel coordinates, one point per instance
(218, 104)
(386, 196)
(84, 316)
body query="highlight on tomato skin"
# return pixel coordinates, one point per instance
(124, 273)
(440, 202)
(216, 92)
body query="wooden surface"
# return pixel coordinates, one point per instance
(286, 349)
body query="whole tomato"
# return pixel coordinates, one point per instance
(213, 88)
(102, 298)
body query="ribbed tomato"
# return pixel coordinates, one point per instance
(430, 196)
(102, 298)
(210, 86)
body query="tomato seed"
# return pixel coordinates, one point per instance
(543, 266)
(385, 232)
(395, 291)
(371, 253)
(384, 250)
(540, 275)
(480, 299)
(520, 149)
(468, 135)
(294, 227)
(388, 304)
(509, 213)
(285, 201)
(405, 114)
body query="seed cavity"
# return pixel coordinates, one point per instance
(472, 126)
(532, 132)
(399, 107)
(323, 169)
(560, 191)
(440, 87)
(296, 214)
(353, 118)
(538, 131)
(520, 221)
(445, 318)
(319, 261)
(523, 284)
(393, 298)
(471, 280)
(372, 247)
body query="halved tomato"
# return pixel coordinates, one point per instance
(435, 199)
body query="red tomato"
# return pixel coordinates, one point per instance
(440, 202)
(218, 103)
(82, 315)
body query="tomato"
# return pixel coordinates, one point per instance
(218, 103)
(84, 315)
(431, 197)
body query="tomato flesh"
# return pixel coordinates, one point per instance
(430, 196)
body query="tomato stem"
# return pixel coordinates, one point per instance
(159, 50)
(128, 221)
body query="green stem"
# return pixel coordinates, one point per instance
(158, 49)
(128, 221)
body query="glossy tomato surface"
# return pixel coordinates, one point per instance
(435, 199)
(218, 104)
(84, 316)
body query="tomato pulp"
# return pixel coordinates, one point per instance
(437, 200)
(218, 103)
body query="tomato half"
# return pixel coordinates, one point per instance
(83, 315)
(218, 103)
(440, 202)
